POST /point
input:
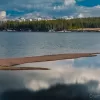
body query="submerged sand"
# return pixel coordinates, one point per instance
(17, 61)
(22, 68)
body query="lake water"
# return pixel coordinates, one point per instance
(85, 71)
(31, 44)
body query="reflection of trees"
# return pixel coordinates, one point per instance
(57, 92)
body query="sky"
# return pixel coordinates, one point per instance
(52, 8)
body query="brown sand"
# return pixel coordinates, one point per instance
(17, 61)
(88, 29)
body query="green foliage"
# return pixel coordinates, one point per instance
(56, 25)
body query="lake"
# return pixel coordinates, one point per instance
(30, 44)
(77, 75)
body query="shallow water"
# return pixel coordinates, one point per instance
(72, 71)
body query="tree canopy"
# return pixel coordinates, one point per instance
(56, 25)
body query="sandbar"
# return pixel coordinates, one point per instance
(22, 60)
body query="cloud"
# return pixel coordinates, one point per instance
(80, 15)
(69, 2)
(58, 8)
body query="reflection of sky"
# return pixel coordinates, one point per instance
(88, 62)
(63, 72)
(66, 71)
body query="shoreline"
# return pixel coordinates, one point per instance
(61, 31)
(86, 30)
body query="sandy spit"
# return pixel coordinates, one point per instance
(17, 61)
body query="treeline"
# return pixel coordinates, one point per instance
(56, 25)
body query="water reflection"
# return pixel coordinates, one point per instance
(79, 70)
(82, 76)
(66, 71)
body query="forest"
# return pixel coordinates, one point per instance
(47, 25)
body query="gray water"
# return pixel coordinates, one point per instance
(24, 44)
(13, 44)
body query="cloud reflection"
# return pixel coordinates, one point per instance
(62, 72)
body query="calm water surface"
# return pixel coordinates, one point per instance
(31, 44)
(22, 44)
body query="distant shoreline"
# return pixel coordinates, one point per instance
(62, 31)
(58, 25)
